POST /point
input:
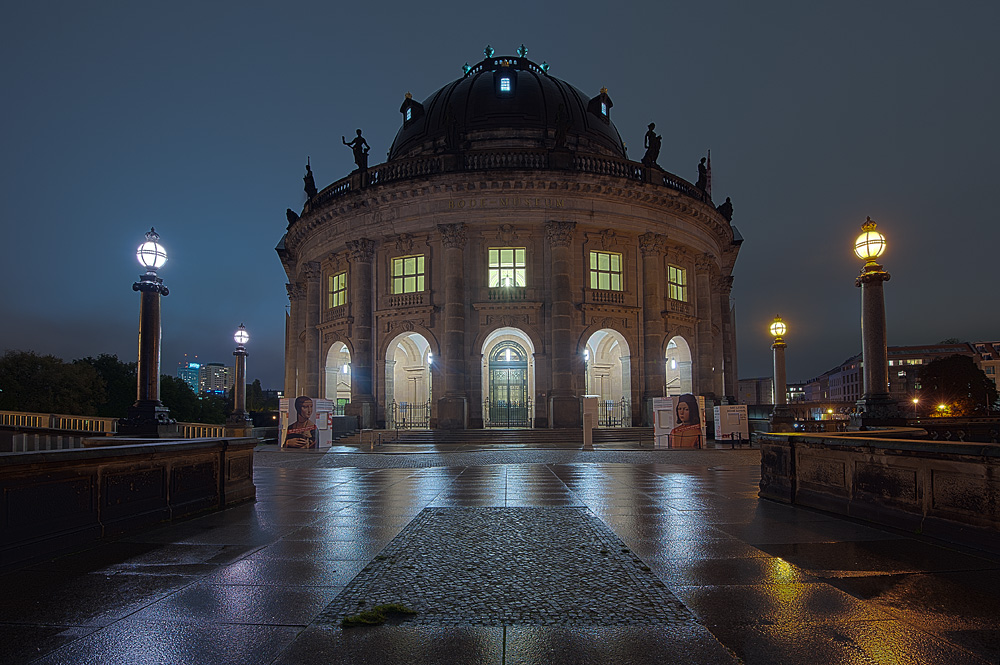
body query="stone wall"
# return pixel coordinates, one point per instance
(945, 490)
(54, 500)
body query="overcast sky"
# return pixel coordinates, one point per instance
(197, 117)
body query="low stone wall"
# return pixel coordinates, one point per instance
(53, 500)
(945, 490)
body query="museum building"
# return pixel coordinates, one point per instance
(505, 260)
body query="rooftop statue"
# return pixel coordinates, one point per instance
(652, 144)
(360, 147)
(702, 183)
(291, 215)
(310, 183)
(726, 210)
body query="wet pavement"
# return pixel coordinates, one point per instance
(513, 555)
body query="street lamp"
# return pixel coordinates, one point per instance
(782, 417)
(876, 404)
(238, 423)
(915, 402)
(148, 417)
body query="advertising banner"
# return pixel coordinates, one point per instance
(305, 422)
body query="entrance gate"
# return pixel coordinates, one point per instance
(508, 404)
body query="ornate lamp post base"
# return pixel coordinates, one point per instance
(239, 424)
(878, 410)
(782, 419)
(148, 419)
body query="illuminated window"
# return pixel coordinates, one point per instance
(606, 271)
(408, 115)
(506, 266)
(604, 108)
(336, 290)
(677, 283)
(408, 274)
(505, 84)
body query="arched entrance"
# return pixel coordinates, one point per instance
(609, 376)
(508, 379)
(678, 359)
(337, 386)
(408, 382)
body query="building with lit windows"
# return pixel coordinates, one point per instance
(188, 373)
(506, 259)
(214, 378)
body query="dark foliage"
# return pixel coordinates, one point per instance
(957, 382)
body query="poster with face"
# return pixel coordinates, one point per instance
(688, 429)
(301, 430)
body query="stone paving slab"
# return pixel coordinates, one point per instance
(511, 566)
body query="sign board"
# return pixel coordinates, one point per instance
(731, 422)
(679, 421)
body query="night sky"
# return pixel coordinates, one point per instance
(197, 117)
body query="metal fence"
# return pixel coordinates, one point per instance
(501, 413)
(404, 415)
(611, 413)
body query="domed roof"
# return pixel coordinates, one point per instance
(507, 102)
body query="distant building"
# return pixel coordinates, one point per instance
(188, 373)
(215, 378)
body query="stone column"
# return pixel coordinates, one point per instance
(730, 376)
(705, 381)
(782, 419)
(718, 366)
(313, 303)
(652, 246)
(291, 341)
(452, 406)
(362, 360)
(239, 422)
(564, 404)
(148, 417)
(298, 325)
(876, 404)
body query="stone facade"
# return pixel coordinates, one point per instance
(421, 323)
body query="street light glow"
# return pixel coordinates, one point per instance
(870, 244)
(241, 336)
(778, 328)
(151, 254)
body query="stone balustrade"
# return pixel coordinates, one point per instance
(945, 490)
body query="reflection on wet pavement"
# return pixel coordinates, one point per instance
(761, 582)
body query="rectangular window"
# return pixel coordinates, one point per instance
(606, 271)
(336, 290)
(506, 267)
(504, 84)
(409, 113)
(408, 274)
(677, 283)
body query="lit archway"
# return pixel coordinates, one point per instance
(408, 361)
(337, 384)
(508, 373)
(609, 376)
(678, 359)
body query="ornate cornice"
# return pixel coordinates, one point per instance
(559, 234)
(453, 236)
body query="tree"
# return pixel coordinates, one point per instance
(119, 384)
(214, 409)
(255, 396)
(958, 383)
(177, 396)
(46, 384)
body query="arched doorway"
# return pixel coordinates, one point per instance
(408, 382)
(609, 376)
(337, 384)
(508, 380)
(678, 359)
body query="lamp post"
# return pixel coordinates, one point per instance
(782, 418)
(148, 417)
(875, 406)
(238, 423)
(915, 402)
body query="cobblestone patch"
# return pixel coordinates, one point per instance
(511, 566)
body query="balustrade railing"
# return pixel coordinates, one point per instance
(611, 297)
(405, 300)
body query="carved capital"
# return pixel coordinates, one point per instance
(311, 270)
(652, 244)
(453, 236)
(874, 274)
(296, 291)
(559, 234)
(705, 262)
(362, 250)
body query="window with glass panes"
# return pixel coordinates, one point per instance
(336, 290)
(408, 274)
(506, 266)
(606, 271)
(677, 283)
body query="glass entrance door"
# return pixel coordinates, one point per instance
(508, 404)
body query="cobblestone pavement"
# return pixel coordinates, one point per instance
(511, 566)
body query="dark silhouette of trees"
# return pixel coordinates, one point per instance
(119, 380)
(177, 396)
(46, 384)
(957, 382)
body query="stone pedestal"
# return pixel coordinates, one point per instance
(452, 413)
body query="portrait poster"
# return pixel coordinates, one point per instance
(688, 427)
(299, 430)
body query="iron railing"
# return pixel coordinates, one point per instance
(405, 415)
(611, 413)
(502, 413)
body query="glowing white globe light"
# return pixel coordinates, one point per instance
(151, 254)
(241, 336)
